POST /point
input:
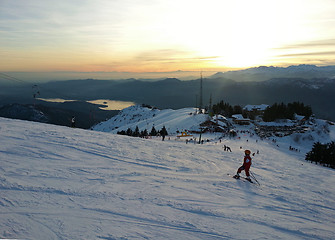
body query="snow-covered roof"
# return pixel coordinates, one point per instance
(219, 117)
(219, 123)
(261, 107)
(285, 122)
(299, 117)
(239, 117)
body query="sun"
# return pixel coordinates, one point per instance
(231, 34)
(239, 53)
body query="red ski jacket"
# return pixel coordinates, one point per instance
(247, 162)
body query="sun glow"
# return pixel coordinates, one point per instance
(218, 33)
(160, 35)
(236, 36)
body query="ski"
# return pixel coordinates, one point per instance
(242, 178)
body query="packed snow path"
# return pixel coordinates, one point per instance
(63, 183)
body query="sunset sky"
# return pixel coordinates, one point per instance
(164, 35)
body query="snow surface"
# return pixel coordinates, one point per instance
(63, 183)
(146, 118)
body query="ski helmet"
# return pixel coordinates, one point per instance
(247, 152)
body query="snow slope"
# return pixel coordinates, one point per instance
(146, 118)
(63, 183)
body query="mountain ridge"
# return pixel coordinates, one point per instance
(263, 73)
(309, 88)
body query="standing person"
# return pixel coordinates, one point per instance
(246, 166)
(73, 122)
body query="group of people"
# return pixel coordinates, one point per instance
(294, 149)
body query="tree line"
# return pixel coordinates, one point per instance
(226, 109)
(323, 154)
(144, 133)
(283, 111)
(276, 111)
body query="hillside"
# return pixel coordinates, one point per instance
(63, 183)
(86, 114)
(146, 118)
(312, 85)
(186, 119)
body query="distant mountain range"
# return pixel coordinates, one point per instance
(312, 85)
(265, 73)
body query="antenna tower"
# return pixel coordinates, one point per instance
(200, 98)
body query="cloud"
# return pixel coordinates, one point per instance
(156, 60)
(171, 55)
(312, 52)
(304, 54)
(310, 44)
(75, 26)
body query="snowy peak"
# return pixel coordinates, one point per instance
(146, 117)
(128, 116)
(263, 73)
(217, 75)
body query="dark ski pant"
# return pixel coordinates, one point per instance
(245, 168)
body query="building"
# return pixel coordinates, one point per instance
(257, 109)
(239, 119)
(217, 124)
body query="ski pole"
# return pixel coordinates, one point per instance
(253, 176)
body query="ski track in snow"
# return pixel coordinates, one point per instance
(63, 183)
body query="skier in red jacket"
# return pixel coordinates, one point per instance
(246, 166)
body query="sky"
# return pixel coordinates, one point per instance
(163, 36)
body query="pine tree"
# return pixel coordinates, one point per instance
(136, 133)
(123, 132)
(226, 109)
(323, 154)
(153, 131)
(144, 133)
(129, 132)
(281, 111)
(237, 109)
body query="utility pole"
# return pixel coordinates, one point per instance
(210, 101)
(200, 98)
(210, 110)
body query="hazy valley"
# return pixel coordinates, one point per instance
(314, 86)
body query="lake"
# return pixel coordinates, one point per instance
(107, 104)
